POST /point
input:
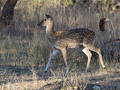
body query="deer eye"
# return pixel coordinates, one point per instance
(44, 19)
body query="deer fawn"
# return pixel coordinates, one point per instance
(61, 40)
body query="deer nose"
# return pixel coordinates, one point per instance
(39, 24)
(41, 27)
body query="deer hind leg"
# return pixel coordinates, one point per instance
(98, 51)
(64, 54)
(89, 55)
(52, 55)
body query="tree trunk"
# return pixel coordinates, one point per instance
(8, 12)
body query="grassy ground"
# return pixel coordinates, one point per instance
(12, 78)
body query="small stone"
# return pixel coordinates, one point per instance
(96, 88)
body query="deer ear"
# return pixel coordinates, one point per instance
(47, 16)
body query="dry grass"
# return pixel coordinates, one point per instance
(107, 79)
(26, 47)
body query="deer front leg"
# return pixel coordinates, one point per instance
(52, 55)
(64, 54)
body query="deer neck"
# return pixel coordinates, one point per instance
(102, 25)
(49, 29)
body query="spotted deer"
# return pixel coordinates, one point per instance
(61, 40)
